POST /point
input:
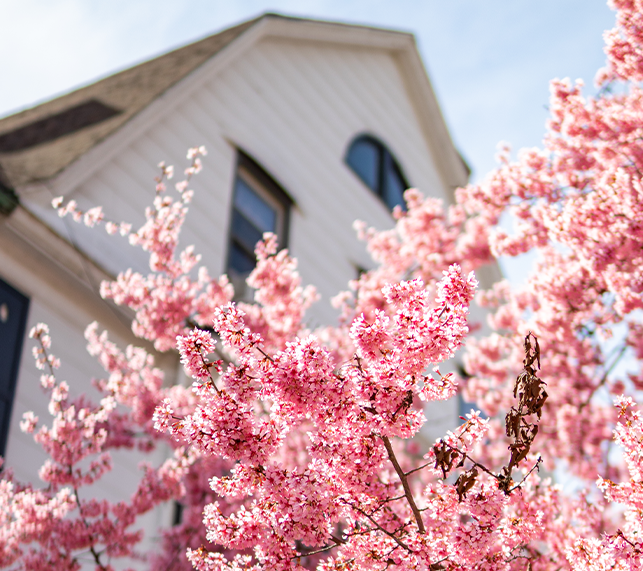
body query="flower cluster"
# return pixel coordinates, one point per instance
(296, 449)
(50, 528)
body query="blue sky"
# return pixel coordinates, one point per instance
(490, 61)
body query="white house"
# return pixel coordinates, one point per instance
(309, 125)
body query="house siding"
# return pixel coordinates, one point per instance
(67, 306)
(294, 106)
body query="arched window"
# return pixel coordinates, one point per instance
(374, 164)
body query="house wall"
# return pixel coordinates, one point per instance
(294, 106)
(58, 297)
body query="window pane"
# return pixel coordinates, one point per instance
(254, 208)
(240, 261)
(394, 185)
(363, 158)
(245, 233)
(259, 205)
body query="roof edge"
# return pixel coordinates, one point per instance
(401, 44)
(125, 67)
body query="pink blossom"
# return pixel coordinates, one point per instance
(194, 349)
(303, 449)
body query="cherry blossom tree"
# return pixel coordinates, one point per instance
(296, 449)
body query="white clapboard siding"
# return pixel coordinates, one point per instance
(294, 106)
(304, 134)
(67, 307)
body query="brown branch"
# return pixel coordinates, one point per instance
(465, 455)
(263, 353)
(320, 550)
(534, 467)
(92, 548)
(603, 380)
(378, 526)
(338, 540)
(208, 366)
(418, 468)
(387, 500)
(620, 534)
(405, 484)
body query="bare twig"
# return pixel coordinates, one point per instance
(320, 550)
(378, 526)
(337, 540)
(536, 466)
(603, 380)
(405, 484)
(418, 468)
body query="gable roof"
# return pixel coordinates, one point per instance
(38, 143)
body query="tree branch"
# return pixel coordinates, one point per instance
(405, 484)
(603, 380)
(378, 526)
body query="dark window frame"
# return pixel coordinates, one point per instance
(260, 181)
(21, 303)
(386, 162)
